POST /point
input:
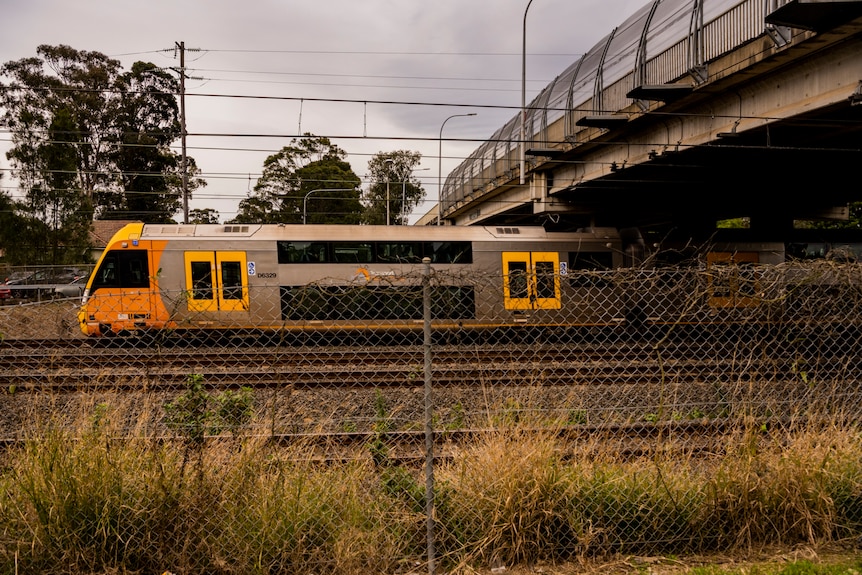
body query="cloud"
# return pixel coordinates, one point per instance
(375, 75)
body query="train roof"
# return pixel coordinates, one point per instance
(322, 232)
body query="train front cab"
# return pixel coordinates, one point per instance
(122, 294)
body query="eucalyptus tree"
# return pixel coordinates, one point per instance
(61, 80)
(307, 181)
(13, 247)
(203, 216)
(119, 124)
(394, 189)
(61, 217)
(147, 122)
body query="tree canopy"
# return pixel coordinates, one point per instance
(92, 140)
(89, 139)
(203, 216)
(308, 181)
(394, 190)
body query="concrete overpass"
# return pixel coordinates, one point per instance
(753, 108)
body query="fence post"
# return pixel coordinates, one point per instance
(429, 412)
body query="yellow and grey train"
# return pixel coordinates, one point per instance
(194, 279)
(269, 277)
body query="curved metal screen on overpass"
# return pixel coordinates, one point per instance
(660, 44)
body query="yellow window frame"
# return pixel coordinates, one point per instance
(727, 285)
(531, 280)
(216, 280)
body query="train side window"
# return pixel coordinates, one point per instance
(582, 263)
(202, 280)
(231, 280)
(806, 251)
(398, 252)
(449, 252)
(301, 252)
(353, 252)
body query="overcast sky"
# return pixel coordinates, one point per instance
(372, 75)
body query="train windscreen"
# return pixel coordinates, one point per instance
(122, 269)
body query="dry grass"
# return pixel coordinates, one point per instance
(53, 319)
(85, 495)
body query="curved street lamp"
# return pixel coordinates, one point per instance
(524, 94)
(440, 167)
(391, 162)
(305, 199)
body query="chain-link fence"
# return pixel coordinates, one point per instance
(626, 412)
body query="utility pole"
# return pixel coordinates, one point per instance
(183, 163)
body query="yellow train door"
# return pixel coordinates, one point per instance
(216, 281)
(531, 280)
(232, 281)
(733, 279)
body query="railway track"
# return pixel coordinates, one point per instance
(73, 364)
(602, 390)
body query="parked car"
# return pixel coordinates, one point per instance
(73, 289)
(24, 285)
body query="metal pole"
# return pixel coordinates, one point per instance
(429, 414)
(440, 167)
(391, 163)
(524, 94)
(183, 160)
(403, 201)
(305, 199)
(405, 213)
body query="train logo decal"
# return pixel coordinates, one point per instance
(364, 274)
(251, 268)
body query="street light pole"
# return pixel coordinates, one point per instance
(524, 94)
(305, 199)
(405, 214)
(440, 167)
(391, 162)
